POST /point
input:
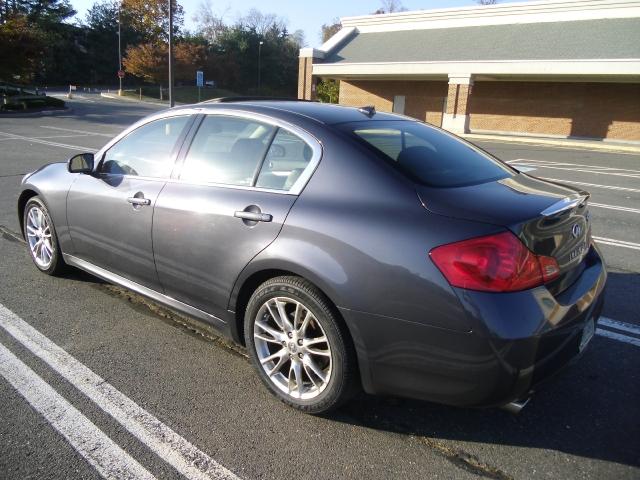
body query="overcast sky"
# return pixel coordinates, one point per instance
(301, 14)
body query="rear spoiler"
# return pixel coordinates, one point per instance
(566, 203)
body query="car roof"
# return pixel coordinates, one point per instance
(322, 112)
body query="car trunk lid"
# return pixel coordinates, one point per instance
(549, 218)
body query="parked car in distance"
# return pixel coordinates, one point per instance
(344, 248)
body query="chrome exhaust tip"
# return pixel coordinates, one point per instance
(515, 406)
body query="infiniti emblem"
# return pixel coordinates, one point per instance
(576, 230)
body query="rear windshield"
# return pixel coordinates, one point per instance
(427, 155)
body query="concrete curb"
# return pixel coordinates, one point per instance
(576, 144)
(36, 113)
(125, 98)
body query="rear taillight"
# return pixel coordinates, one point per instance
(495, 263)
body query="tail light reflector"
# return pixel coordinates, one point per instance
(494, 263)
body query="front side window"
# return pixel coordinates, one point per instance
(427, 155)
(146, 151)
(287, 158)
(227, 150)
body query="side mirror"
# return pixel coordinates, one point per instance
(81, 163)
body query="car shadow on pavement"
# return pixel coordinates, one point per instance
(590, 409)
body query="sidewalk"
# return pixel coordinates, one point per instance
(604, 146)
(127, 98)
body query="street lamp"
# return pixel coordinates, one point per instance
(171, 102)
(119, 51)
(259, 55)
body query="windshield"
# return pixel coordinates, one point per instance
(427, 155)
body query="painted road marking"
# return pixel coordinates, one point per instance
(595, 185)
(592, 171)
(615, 207)
(617, 243)
(625, 327)
(111, 461)
(618, 336)
(46, 142)
(581, 165)
(47, 137)
(158, 437)
(79, 131)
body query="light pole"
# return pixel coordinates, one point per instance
(119, 51)
(259, 55)
(171, 102)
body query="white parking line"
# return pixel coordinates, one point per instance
(618, 336)
(576, 167)
(625, 327)
(79, 131)
(185, 457)
(617, 243)
(594, 185)
(111, 461)
(615, 207)
(47, 137)
(571, 165)
(46, 142)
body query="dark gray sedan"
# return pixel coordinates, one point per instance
(345, 248)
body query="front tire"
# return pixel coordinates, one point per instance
(42, 241)
(299, 347)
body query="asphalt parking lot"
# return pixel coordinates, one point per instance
(94, 379)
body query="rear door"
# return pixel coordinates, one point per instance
(238, 180)
(110, 212)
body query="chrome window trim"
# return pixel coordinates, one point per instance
(296, 188)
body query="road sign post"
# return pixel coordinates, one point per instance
(199, 81)
(120, 77)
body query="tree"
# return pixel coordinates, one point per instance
(150, 61)
(150, 18)
(487, 2)
(390, 6)
(49, 11)
(21, 48)
(328, 30)
(210, 24)
(328, 91)
(260, 22)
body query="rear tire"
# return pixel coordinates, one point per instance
(42, 241)
(298, 345)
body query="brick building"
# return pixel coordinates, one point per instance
(557, 68)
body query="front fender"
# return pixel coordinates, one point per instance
(51, 183)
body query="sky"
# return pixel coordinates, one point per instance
(300, 14)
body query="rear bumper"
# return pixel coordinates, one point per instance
(517, 341)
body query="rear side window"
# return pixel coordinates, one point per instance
(146, 151)
(286, 159)
(429, 156)
(227, 150)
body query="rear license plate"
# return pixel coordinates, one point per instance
(587, 333)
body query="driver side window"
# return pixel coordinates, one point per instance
(147, 151)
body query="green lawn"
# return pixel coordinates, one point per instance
(181, 94)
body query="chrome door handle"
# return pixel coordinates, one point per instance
(139, 201)
(253, 216)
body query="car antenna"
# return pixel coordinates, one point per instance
(368, 110)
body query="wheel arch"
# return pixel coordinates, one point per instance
(24, 197)
(254, 275)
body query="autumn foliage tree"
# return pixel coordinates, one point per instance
(150, 61)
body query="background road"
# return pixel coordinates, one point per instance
(183, 380)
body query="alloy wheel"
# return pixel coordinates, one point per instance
(39, 237)
(292, 348)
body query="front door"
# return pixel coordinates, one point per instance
(110, 212)
(236, 187)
